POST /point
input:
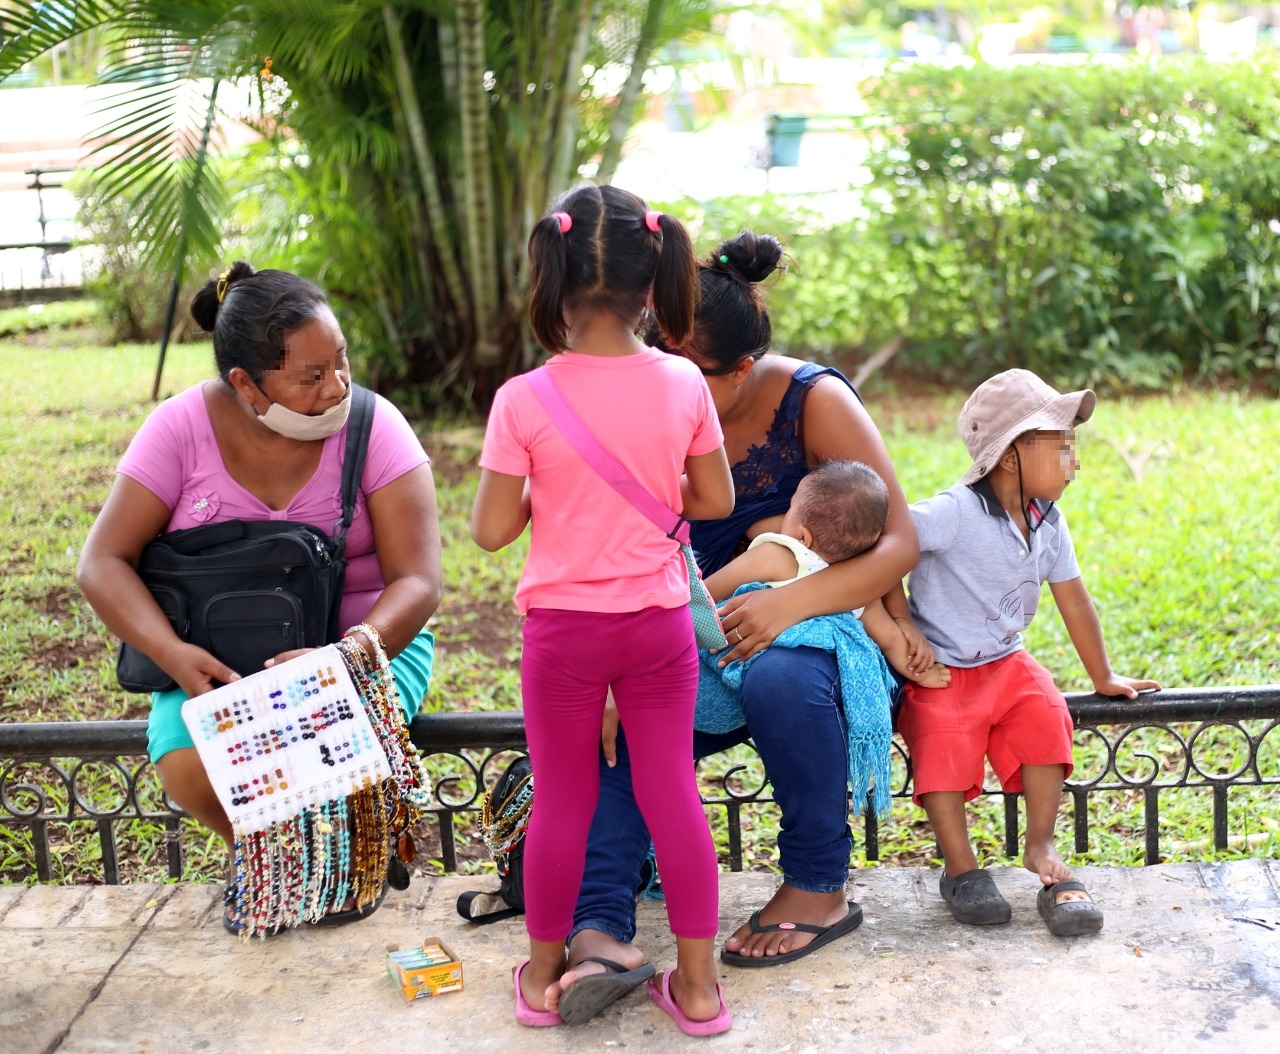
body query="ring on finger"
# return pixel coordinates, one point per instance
(739, 633)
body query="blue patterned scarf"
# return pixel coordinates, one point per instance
(865, 689)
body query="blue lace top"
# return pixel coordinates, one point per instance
(765, 481)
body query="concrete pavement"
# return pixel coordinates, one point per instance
(1189, 960)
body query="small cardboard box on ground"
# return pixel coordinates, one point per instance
(432, 969)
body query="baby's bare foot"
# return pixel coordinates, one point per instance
(936, 676)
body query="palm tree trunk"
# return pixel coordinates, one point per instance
(564, 144)
(449, 266)
(624, 115)
(477, 180)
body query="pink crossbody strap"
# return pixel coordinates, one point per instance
(588, 447)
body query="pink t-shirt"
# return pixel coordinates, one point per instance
(176, 457)
(590, 549)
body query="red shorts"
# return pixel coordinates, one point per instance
(1010, 710)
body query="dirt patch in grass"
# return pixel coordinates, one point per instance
(56, 604)
(64, 654)
(454, 453)
(486, 624)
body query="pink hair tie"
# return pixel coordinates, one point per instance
(651, 219)
(565, 220)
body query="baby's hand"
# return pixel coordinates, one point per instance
(936, 676)
(919, 651)
(1126, 686)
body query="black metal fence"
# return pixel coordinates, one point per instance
(94, 776)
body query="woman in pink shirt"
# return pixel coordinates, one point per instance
(264, 441)
(604, 592)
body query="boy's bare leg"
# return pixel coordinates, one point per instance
(969, 891)
(1042, 789)
(951, 828)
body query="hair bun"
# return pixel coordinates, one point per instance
(750, 257)
(205, 304)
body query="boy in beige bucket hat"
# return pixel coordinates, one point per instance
(986, 546)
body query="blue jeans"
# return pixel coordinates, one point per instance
(791, 698)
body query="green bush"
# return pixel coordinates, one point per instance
(261, 217)
(132, 296)
(1109, 225)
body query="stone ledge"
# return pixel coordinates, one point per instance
(1175, 969)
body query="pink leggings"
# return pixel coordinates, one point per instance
(571, 659)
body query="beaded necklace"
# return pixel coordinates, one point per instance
(300, 868)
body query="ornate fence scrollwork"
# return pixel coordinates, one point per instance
(95, 775)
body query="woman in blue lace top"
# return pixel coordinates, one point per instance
(781, 416)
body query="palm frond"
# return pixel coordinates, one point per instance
(166, 60)
(35, 28)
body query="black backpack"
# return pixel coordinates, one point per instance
(245, 590)
(504, 821)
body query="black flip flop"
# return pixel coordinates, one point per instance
(825, 935)
(1068, 918)
(228, 904)
(587, 996)
(341, 918)
(229, 897)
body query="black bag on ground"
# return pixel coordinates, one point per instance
(245, 590)
(504, 821)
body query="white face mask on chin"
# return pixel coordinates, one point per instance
(307, 427)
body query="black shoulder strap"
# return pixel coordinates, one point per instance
(359, 425)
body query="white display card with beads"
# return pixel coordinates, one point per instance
(282, 739)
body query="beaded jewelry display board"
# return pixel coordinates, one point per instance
(285, 738)
(312, 762)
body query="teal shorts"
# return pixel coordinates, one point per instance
(411, 668)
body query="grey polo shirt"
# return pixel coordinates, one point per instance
(977, 585)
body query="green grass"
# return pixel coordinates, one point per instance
(1182, 564)
(60, 314)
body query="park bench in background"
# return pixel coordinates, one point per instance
(42, 179)
(93, 777)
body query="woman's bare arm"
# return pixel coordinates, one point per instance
(406, 539)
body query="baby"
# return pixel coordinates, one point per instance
(839, 510)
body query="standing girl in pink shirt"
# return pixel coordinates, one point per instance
(604, 592)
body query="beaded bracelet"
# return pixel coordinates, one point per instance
(379, 656)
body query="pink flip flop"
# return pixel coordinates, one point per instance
(660, 993)
(525, 1014)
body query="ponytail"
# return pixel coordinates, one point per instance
(733, 322)
(675, 283)
(209, 297)
(548, 271)
(602, 248)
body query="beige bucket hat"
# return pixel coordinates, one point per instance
(1009, 404)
